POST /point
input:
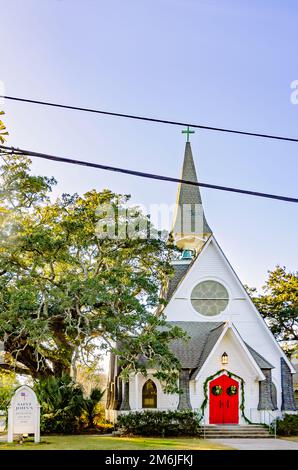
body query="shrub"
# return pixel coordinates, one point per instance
(98, 423)
(101, 425)
(287, 426)
(160, 423)
(62, 404)
(91, 405)
(64, 409)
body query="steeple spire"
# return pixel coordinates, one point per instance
(190, 228)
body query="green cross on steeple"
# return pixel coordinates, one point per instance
(187, 132)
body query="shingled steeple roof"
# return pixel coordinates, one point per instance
(190, 221)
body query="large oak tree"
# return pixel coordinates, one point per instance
(66, 290)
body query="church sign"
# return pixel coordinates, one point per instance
(24, 414)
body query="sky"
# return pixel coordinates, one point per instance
(222, 63)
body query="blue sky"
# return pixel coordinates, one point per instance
(222, 63)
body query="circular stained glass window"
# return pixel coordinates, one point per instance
(209, 298)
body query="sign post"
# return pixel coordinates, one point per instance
(24, 414)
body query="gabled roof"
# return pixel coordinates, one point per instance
(210, 342)
(260, 360)
(179, 271)
(211, 239)
(203, 337)
(189, 352)
(246, 294)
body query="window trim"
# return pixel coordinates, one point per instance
(210, 278)
(154, 395)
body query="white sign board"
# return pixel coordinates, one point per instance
(24, 414)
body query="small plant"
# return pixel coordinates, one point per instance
(287, 426)
(91, 405)
(101, 425)
(160, 423)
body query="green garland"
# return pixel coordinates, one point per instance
(229, 374)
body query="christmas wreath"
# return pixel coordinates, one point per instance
(232, 390)
(216, 390)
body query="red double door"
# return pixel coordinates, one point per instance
(223, 401)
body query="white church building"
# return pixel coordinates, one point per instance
(233, 371)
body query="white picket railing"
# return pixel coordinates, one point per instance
(264, 417)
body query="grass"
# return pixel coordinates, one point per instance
(114, 443)
(291, 438)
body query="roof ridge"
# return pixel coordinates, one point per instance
(206, 341)
(258, 354)
(221, 324)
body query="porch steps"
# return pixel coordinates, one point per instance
(252, 431)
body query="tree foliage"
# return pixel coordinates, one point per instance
(65, 289)
(279, 303)
(3, 131)
(90, 377)
(8, 383)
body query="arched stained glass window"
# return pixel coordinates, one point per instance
(149, 395)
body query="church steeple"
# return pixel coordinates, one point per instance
(190, 228)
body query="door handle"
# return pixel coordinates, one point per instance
(227, 403)
(219, 403)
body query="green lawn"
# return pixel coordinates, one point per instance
(291, 438)
(113, 443)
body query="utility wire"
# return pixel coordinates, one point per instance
(142, 174)
(148, 119)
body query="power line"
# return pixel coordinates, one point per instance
(143, 174)
(149, 119)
